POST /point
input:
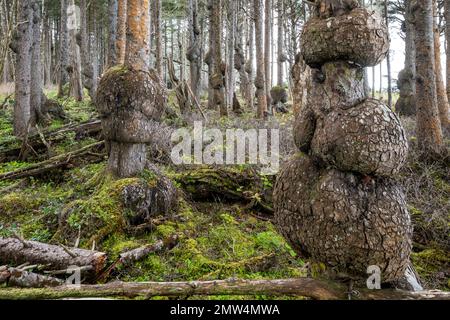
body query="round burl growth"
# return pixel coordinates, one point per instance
(129, 103)
(360, 36)
(344, 220)
(367, 138)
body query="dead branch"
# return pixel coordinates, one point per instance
(21, 278)
(130, 257)
(50, 164)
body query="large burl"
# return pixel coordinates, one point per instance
(131, 103)
(360, 36)
(345, 129)
(337, 203)
(339, 219)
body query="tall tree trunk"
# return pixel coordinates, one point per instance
(442, 99)
(429, 133)
(267, 50)
(232, 12)
(447, 37)
(76, 85)
(388, 58)
(87, 69)
(21, 45)
(281, 56)
(217, 70)
(36, 66)
(63, 49)
(249, 69)
(158, 38)
(121, 36)
(113, 7)
(194, 50)
(239, 63)
(260, 80)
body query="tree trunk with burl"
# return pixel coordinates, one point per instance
(337, 202)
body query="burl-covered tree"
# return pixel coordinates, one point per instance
(337, 202)
(131, 100)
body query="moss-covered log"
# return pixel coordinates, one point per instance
(207, 184)
(302, 287)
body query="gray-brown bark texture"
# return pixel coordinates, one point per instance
(360, 36)
(338, 203)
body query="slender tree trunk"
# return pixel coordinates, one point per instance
(87, 69)
(113, 7)
(63, 49)
(249, 69)
(239, 63)
(76, 86)
(267, 50)
(429, 133)
(388, 58)
(447, 37)
(232, 12)
(158, 38)
(121, 36)
(36, 66)
(214, 59)
(281, 56)
(22, 45)
(260, 80)
(194, 50)
(442, 99)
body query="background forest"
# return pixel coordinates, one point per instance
(214, 222)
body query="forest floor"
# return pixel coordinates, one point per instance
(217, 238)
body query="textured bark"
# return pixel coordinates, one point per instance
(249, 69)
(14, 277)
(113, 7)
(137, 34)
(360, 37)
(36, 67)
(429, 132)
(447, 40)
(130, 257)
(17, 252)
(339, 219)
(306, 287)
(22, 44)
(280, 44)
(121, 37)
(158, 38)
(442, 99)
(63, 49)
(406, 104)
(74, 68)
(338, 204)
(301, 78)
(260, 80)
(194, 50)
(268, 50)
(87, 68)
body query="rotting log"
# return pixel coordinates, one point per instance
(301, 287)
(19, 251)
(52, 163)
(210, 183)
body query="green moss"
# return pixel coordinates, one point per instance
(429, 263)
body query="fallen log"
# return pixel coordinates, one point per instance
(19, 251)
(40, 141)
(302, 287)
(130, 257)
(210, 183)
(15, 277)
(52, 163)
